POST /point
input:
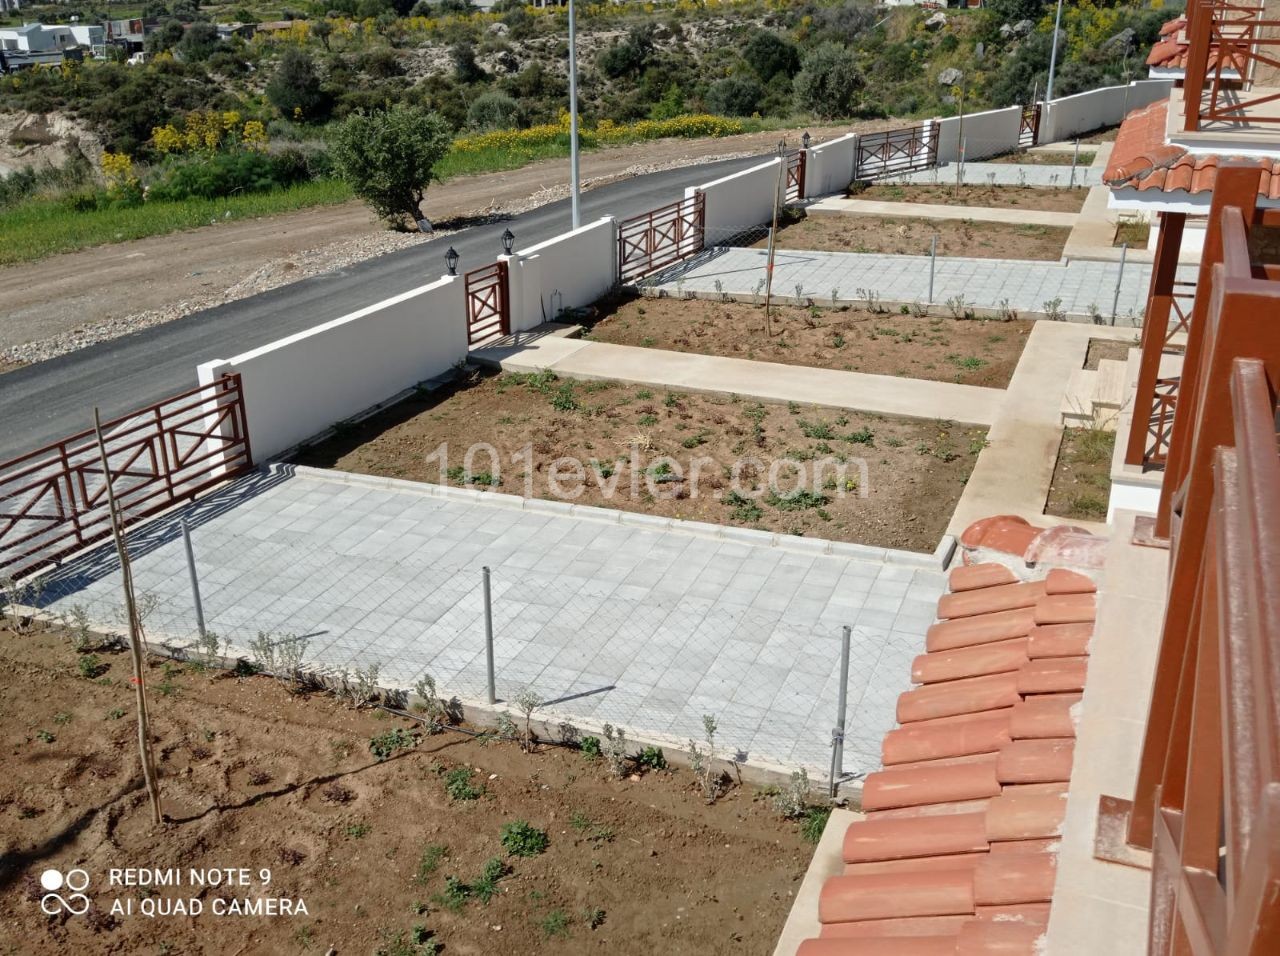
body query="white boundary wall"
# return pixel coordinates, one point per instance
(567, 272)
(1072, 115)
(739, 202)
(983, 134)
(829, 166)
(299, 386)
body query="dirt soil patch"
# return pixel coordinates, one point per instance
(691, 456)
(1044, 198)
(257, 776)
(843, 232)
(1043, 159)
(937, 348)
(1081, 484)
(1100, 349)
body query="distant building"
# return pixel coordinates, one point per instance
(34, 43)
(10, 6)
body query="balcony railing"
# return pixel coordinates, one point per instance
(1243, 41)
(1207, 799)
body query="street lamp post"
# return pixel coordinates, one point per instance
(1053, 53)
(574, 185)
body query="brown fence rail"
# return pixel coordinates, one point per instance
(894, 151)
(796, 163)
(488, 303)
(661, 237)
(53, 501)
(1029, 126)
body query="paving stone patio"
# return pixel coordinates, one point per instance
(620, 620)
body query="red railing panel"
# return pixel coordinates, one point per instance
(661, 237)
(894, 151)
(488, 303)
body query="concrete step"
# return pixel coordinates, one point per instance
(1108, 389)
(1077, 403)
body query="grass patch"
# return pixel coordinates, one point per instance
(46, 227)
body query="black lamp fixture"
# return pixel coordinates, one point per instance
(451, 260)
(508, 241)
(806, 139)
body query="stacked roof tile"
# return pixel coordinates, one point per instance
(1143, 160)
(957, 853)
(1171, 50)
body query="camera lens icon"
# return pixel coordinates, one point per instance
(75, 902)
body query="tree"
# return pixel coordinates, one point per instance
(734, 96)
(388, 158)
(295, 88)
(199, 42)
(829, 82)
(465, 67)
(493, 110)
(770, 54)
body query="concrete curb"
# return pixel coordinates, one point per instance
(937, 561)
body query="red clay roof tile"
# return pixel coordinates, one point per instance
(1016, 789)
(966, 577)
(1014, 878)
(955, 861)
(1037, 913)
(967, 631)
(909, 926)
(868, 841)
(1044, 845)
(1052, 675)
(1025, 816)
(966, 696)
(926, 809)
(985, 937)
(1044, 715)
(1062, 581)
(1036, 761)
(931, 740)
(997, 657)
(1059, 640)
(915, 786)
(1066, 609)
(937, 892)
(1006, 597)
(1173, 26)
(879, 946)
(1007, 533)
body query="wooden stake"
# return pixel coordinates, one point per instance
(773, 232)
(135, 634)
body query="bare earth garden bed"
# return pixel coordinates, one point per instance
(1081, 484)
(691, 456)
(1029, 158)
(843, 232)
(1043, 198)
(400, 856)
(937, 348)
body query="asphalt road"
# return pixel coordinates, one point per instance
(47, 401)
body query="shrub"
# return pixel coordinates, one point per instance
(457, 784)
(493, 110)
(652, 758)
(734, 96)
(829, 83)
(521, 839)
(770, 54)
(226, 174)
(388, 158)
(295, 88)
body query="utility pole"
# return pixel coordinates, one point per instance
(574, 184)
(1053, 54)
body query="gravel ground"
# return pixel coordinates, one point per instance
(300, 265)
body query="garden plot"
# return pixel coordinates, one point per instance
(842, 232)
(980, 352)
(1081, 484)
(397, 841)
(795, 469)
(1044, 198)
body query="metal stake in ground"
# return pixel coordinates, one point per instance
(837, 733)
(135, 633)
(488, 638)
(1115, 300)
(773, 232)
(1075, 158)
(195, 581)
(933, 263)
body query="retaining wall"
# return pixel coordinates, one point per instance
(739, 202)
(1071, 116)
(982, 134)
(299, 386)
(567, 272)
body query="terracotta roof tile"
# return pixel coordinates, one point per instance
(1037, 913)
(1062, 581)
(926, 809)
(869, 841)
(999, 938)
(914, 786)
(967, 577)
(1044, 715)
(880, 946)
(1052, 675)
(967, 631)
(1008, 533)
(1025, 816)
(931, 740)
(1059, 640)
(966, 696)
(1066, 609)
(1043, 845)
(1006, 597)
(910, 926)
(1014, 878)
(1173, 26)
(995, 658)
(936, 892)
(1042, 789)
(955, 861)
(1036, 761)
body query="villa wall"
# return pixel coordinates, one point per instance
(739, 202)
(567, 272)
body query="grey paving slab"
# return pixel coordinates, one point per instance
(606, 623)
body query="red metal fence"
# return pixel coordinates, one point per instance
(893, 151)
(488, 303)
(53, 501)
(1029, 126)
(1244, 43)
(795, 175)
(656, 239)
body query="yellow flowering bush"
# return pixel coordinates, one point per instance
(606, 131)
(122, 181)
(209, 131)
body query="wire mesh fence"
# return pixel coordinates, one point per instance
(606, 643)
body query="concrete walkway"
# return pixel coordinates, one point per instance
(768, 381)
(607, 616)
(1004, 174)
(985, 284)
(922, 210)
